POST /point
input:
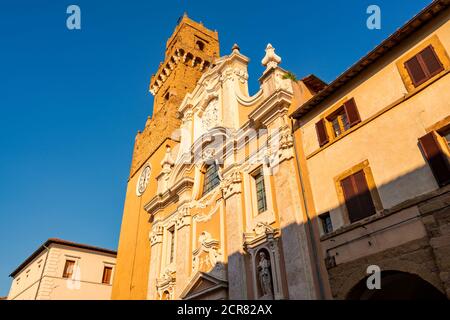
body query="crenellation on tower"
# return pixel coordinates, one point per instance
(190, 50)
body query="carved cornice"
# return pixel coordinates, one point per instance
(184, 217)
(160, 201)
(231, 184)
(187, 115)
(280, 99)
(211, 79)
(156, 234)
(263, 232)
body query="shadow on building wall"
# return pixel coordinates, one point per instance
(408, 239)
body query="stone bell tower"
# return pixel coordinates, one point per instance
(189, 52)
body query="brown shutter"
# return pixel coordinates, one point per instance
(436, 158)
(415, 71)
(68, 269)
(322, 132)
(107, 275)
(352, 112)
(351, 201)
(431, 61)
(358, 199)
(364, 196)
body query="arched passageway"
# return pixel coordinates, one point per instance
(396, 285)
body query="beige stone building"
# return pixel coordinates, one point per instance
(64, 270)
(373, 149)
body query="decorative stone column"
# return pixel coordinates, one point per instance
(231, 190)
(297, 258)
(183, 248)
(156, 238)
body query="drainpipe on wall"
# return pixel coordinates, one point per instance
(310, 228)
(43, 268)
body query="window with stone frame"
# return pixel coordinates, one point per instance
(423, 66)
(333, 125)
(436, 150)
(210, 178)
(446, 135)
(261, 199)
(326, 224)
(339, 122)
(171, 244)
(358, 199)
(68, 269)
(107, 272)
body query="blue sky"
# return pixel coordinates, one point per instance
(71, 102)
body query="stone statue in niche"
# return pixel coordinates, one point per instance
(265, 276)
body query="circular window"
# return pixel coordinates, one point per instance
(143, 181)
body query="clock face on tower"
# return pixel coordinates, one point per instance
(143, 181)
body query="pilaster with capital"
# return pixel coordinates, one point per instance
(234, 217)
(183, 248)
(297, 258)
(156, 239)
(232, 184)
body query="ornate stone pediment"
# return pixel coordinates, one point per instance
(262, 232)
(208, 257)
(165, 285)
(168, 277)
(205, 286)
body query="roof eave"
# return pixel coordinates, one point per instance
(384, 47)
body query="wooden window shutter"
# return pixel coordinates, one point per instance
(358, 199)
(322, 132)
(431, 61)
(415, 71)
(364, 196)
(351, 201)
(107, 271)
(352, 112)
(68, 268)
(436, 158)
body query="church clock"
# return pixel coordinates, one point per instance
(143, 181)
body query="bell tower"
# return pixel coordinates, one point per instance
(189, 52)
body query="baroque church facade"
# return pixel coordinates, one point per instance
(213, 208)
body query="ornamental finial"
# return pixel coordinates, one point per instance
(271, 59)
